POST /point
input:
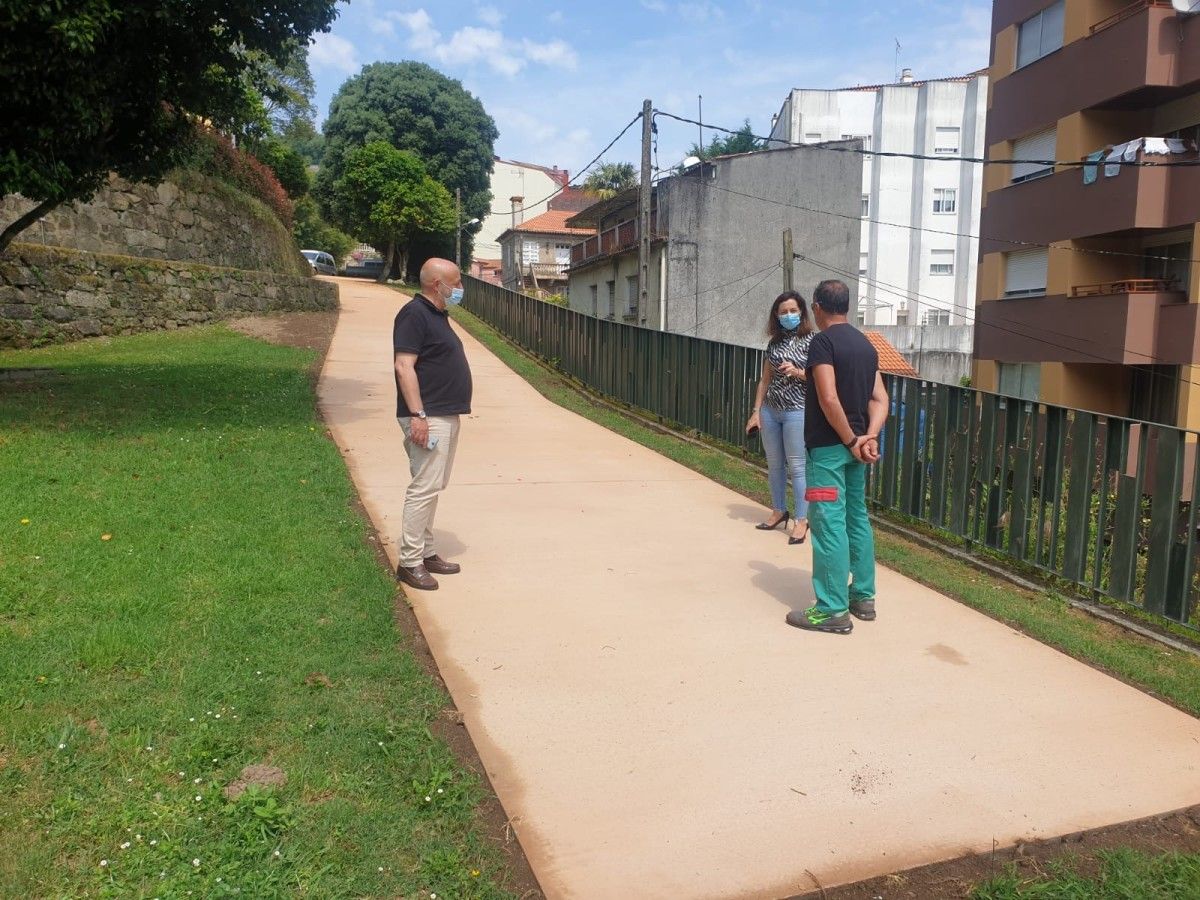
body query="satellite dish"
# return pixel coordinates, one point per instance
(695, 160)
(1186, 7)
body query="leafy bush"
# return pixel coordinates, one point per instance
(556, 299)
(214, 154)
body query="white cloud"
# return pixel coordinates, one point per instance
(556, 17)
(657, 6)
(328, 51)
(555, 53)
(420, 26)
(487, 44)
(702, 11)
(955, 48)
(489, 15)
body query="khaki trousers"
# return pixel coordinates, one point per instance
(430, 469)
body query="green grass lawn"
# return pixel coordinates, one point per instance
(185, 590)
(1122, 875)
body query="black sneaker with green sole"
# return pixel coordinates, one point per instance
(814, 619)
(863, 609)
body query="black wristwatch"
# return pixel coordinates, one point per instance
(420, 414)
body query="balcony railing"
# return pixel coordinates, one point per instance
(1128, 286)
(611, 240)
(546, 270)
(1128, 13)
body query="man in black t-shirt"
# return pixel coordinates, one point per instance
(433, 388)
(841, 435)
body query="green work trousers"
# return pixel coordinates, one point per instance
(843, 545)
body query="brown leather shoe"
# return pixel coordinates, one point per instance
(417, 577)
(439, 566)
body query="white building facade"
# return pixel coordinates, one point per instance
(520, 191)
(908, 276)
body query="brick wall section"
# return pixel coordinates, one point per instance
(54, 294)
(189, 217)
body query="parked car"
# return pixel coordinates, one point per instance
(320, 261)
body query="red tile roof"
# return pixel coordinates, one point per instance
(553, 221)
(890, 359)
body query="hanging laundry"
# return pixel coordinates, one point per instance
(1092, 170)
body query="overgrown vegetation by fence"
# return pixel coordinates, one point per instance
(1103, 503)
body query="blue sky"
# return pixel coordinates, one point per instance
(562, 79)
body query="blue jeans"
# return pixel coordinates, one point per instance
(783, 442)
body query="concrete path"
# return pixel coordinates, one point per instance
(616, 643)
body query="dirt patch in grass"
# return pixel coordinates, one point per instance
(314, 331)
(1174, 832)
(257, 775)
(309, 330)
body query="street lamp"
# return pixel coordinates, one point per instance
(461, 225)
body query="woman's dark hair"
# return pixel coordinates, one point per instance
(775, 330)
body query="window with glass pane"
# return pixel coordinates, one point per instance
(945, 200)
(945, 141)
(612, 298)
(812, 137)
(935, 317)
(1025, 273)
(866, 205)
(529, 252)
(1041, 34)
(863, 260)
(1023, 380)
(941, 262)
(631, 290)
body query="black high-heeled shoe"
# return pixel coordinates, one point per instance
(792, 539)
(766, 526)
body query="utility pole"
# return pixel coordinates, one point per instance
(458, 227)
(789, 261)
(644, 215)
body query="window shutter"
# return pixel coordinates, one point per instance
(1025, 273)
(1040, 146)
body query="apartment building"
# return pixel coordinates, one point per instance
(918, 268)
(1088, 293)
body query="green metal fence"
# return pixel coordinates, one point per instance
(1108, 504)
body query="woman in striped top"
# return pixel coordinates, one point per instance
(779, 410)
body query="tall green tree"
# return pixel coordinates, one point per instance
(311, 232)
(97, 86)
(608, 179)
(413, 107)
(741, 141)
(386, 196)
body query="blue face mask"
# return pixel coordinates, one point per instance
(790, 321)
(456, 295)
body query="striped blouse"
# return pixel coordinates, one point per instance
(785, 393)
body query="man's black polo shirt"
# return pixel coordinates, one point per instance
(442, 369)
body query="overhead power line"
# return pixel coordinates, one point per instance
(959, 234)
(975, 160)
(599, 156)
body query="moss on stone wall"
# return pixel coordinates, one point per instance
(54, 294)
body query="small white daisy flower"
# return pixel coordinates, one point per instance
(195, 862)
(103, 863)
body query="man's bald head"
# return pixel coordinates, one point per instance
(439, 270)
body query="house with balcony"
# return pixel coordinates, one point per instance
(535, 254)
(1089, 293)
(716, 241)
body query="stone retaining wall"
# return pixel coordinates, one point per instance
(54, 294)
(189, 217)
